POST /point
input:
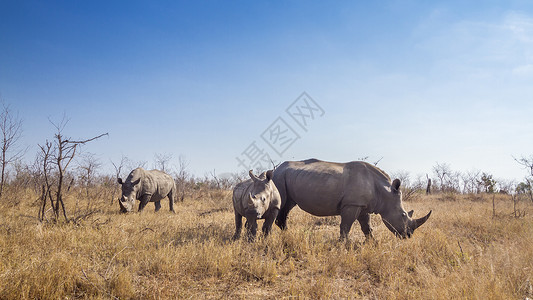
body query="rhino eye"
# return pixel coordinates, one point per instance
(263, 199)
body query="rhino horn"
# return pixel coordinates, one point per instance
(250, 199)
(418, 222)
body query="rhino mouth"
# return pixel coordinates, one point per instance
(123, 208)
(405, 233)
(254, 214)
(408, 228)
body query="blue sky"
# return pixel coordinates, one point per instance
(414, 82)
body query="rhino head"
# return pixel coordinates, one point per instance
(397, 220)
(261, 194)
(129, 194)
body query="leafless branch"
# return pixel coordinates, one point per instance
(162, 160)
(88, 140)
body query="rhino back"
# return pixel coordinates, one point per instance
(323, 188)
(158, 184)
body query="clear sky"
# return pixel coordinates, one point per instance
(414, 82)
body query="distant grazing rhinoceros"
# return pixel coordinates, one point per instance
(352, 190)
(255, 198)
(146, 186)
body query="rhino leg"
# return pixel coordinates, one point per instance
(157, 205)
(251, 228)
(364, 221)
(238, 226)
(144, 200)
(171, 201)
(348, 215)
(267, 225)
(281, 220)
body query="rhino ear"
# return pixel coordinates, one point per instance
(269, 175)
(396, 185)
(254, 178)
(410, 213)
(119, 180)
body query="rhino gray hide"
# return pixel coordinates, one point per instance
(255, 198)
(352, 190)
(146, 186)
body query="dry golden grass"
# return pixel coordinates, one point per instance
(462, 252)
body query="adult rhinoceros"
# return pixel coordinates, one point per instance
(352, 190)
(255, 198)
(146, 186)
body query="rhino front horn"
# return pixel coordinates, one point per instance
(418, 222)
(250, 199)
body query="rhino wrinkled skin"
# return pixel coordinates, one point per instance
(255, 198)
(146, 186)
(352, 190)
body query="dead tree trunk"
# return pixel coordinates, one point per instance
(428, 188)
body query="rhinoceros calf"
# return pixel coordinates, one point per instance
(255, 198)
(146, 186)
(352, 190)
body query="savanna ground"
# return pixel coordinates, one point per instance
(462, 252)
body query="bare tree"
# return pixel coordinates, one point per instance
(240, 176)
(527, 163)
(448, 180)
(58, 155)
(162, 161)
(87, 167)
(22, 179)
(216, 180)
(441, 171)
(44, 162)
(471, 182)
(182, 177)
(118, 169)
(453, 182)
(11, 130)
